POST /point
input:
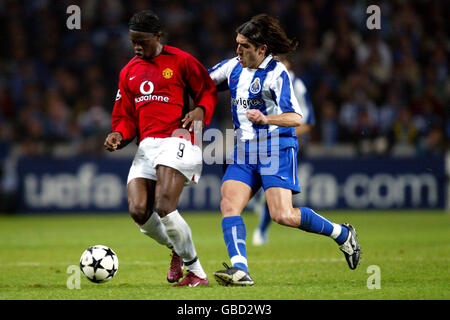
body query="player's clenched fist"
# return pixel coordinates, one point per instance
(112, 141)
(256, 116)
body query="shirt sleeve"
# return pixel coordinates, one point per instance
(283, 93)
(203, 90)
(304, 101)
(220, 73)
(124, 118)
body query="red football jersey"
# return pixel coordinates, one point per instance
(153, 95)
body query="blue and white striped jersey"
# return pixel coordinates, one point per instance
(267, 88)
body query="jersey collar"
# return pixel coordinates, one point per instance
(265, 62)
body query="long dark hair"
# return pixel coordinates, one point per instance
(264, 29)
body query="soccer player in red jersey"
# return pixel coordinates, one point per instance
(152, 104)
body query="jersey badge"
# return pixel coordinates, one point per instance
(255, 87)
(167, 73)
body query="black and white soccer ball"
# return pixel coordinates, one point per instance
(99, 263)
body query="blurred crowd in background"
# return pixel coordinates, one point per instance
(378, 91)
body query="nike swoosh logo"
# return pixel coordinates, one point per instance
(132, 78)
(194, 285)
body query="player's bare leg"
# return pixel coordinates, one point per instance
(235, 196)
(167, 194)
(141, 198)
(279, 201)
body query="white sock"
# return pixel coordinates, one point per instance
(180, 235)
(196, 268)
(156, 230)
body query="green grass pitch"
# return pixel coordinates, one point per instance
(410, 248)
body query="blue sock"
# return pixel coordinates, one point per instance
(315, 223)
(264, 221)
(234, 234)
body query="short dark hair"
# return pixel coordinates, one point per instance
(265, 29)
(145, 21)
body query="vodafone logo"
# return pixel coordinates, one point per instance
(147, 87)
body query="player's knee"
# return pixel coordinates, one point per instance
(138, 212)
(164, 205)
(280, 219)
(285, 216)
(226, 207)
(280, 216)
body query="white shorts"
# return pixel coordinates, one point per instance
(177, 153)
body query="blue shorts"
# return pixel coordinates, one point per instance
(279, 170)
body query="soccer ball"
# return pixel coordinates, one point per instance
(99, 263)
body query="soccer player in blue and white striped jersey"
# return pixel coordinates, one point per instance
(265, 115)
(260, 236)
